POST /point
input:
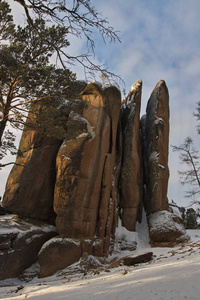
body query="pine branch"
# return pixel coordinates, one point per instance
(11, 163)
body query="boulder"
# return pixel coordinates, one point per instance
(132, 260)
(166, 229)
(20, 242)
(155, 149)
(58, 253)
(131, 170)
(142, 258)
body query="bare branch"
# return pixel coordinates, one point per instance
(10, 163)
(80, 18)
(191, 176)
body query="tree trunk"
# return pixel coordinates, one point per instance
(2, 129)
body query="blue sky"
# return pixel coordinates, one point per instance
(159, 39)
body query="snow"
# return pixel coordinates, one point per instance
(135, 85)
(158, 121)
(82, 135)
(154, 156)
(173, 274)
(161, 166)
(164, 221)
(10, 225)
(77, 117)
(107, 84)
(66, 158)
(176, 211)
(112, 84)
(91, 130)
(124, 238)
(59, 240)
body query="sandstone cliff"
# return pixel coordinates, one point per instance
(30, 185)
(104, 168)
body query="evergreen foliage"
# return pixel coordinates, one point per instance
(26, 74)
(27, 77)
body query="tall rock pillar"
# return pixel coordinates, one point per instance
(85, 169)
(131, 171)
(156, 147)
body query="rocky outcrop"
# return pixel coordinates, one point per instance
(20, 242)
(156, 147)
(108, 205)
(131, 182)
(30, 185)
(75, 175)
(84, 198)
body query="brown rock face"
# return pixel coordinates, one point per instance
(131, 170)
(78, 181)
(30, 185)
(156, 137)
(107, 214)
(85, 166)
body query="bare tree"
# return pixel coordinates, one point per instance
(81, 20)
(190, 158)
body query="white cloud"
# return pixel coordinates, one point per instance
(18, 13)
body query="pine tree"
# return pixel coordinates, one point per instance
(27, 77)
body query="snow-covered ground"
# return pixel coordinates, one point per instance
(173, 274)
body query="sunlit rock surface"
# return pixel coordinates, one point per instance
(97, 179)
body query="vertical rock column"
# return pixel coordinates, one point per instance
(156, 137)
(85, 167)
(30, 185)
(165, 228)
(85, 197)
(80, 163)
(107, 215)
(131, 170)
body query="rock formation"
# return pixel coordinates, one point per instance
(156, 147)
(98, 175)
(20, 242)
(131, 182)
(30, 185)
(85, 195)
